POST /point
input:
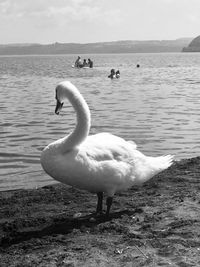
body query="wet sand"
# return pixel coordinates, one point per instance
(157, 224)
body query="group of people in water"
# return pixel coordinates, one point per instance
(114, 74)
(80, 64)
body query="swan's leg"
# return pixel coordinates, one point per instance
(109, 201)
(100, 202)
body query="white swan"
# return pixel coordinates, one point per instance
(100, 163)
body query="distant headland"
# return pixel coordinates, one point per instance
(194, 45)
(152, 46)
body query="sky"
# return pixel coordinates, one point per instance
(88, 21)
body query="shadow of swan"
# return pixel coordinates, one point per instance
(61, 226)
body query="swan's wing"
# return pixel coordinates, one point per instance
(133, 143)
(107, 139)
(108, 147)
(105, 146)
(111, 160)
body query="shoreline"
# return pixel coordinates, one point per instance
(54, 182)
(157, 224)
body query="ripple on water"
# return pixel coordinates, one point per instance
(157, 106)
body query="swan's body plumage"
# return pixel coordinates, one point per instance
(97, 163)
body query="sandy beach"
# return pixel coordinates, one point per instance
(157, 224)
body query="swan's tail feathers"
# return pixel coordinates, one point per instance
(162, 163)
(146, 168)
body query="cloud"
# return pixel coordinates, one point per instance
(194, 18)
(20, 8)
(75, 9)
(60, 12)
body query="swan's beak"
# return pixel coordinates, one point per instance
(59, 106)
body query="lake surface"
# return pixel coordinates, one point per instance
(156, 105)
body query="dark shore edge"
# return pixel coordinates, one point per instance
(159, 221)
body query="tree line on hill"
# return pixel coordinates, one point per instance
(153, 46)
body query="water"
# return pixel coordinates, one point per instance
(156, 105)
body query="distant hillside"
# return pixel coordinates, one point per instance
(194, 45)
(95, 48)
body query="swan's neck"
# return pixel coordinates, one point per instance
(82, 128)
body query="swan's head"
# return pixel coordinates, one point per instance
(62, 92)
(61, 95)
(65, 90)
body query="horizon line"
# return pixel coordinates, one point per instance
(82, 43)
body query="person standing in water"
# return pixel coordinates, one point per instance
(78, 62)
(90, 63)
